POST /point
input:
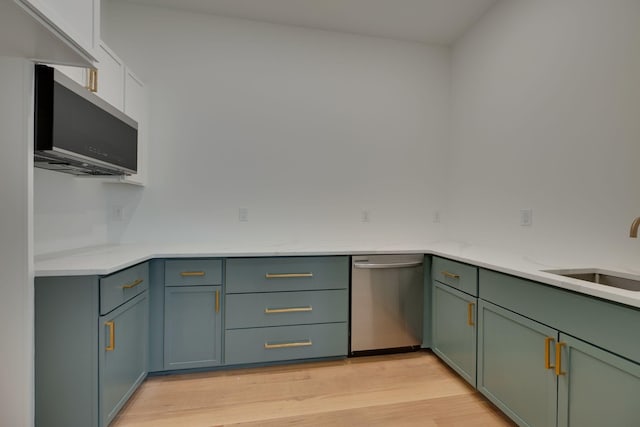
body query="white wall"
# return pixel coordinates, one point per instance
(16, 248)
(69, 212)
(304, 128)
(546, 115)
(75, 212)
(545, 108)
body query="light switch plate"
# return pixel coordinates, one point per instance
(243, 214)
(526, 217)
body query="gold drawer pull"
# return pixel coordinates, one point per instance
(192, 273)
(287, 275)
(112, 335)
(559, 370)
(217, 301)
(450, 275)
(470, 314)
(547, 353)
(288, 310)
(132, 284)
(288, 344)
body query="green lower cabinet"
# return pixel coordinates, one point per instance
(88, 362)
(597, 388)
(454, 330)
(193, 329)
(66, 351)
(512, 368)
(123, 343)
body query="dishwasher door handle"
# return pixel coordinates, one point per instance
(367, 265)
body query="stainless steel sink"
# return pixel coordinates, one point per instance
(601, 277)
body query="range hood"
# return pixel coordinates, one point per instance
(77, 132)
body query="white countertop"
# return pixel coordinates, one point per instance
(102, 260)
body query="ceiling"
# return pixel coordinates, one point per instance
(427, 21)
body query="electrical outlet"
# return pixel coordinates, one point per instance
(243, 214)
(526, 217)
(118, 213)
(366, 216)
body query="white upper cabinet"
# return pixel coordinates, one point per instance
(110, 80)
(136, 107)
(77, 22)
(119, 86)
(25, 32)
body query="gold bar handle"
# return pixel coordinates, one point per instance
(288, 344)
(192, 273)
(112, 335)
(450, 275)
(547, 353)
(217, 301)
(133, 284)
(470, 321)
(287, 275)
(92, 83)
(288, 310)
(559, 370)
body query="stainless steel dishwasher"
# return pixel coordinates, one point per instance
(386, 302)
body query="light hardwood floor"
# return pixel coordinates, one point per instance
(411, 389)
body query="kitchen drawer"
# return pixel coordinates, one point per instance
(461, 276)
(285, 343)
(120, 287)
(286, 308)
(246, 275)
(192, 272)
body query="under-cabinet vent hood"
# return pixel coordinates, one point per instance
(77, 132)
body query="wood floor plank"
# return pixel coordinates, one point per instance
(406, 389)
(469, 411)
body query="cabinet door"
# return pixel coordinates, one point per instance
(110, 76)
(597, 388)
(135, 106)
(77, 20)
(454, 330)
(66, 351)
(513, 370)
(124, 340)
(192, 328)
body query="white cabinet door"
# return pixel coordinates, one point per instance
(134, 96)
(136, 107)
(110, 76)
(76, 20)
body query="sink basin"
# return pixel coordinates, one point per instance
(601, 277)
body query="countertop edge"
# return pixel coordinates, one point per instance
(82, 264)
